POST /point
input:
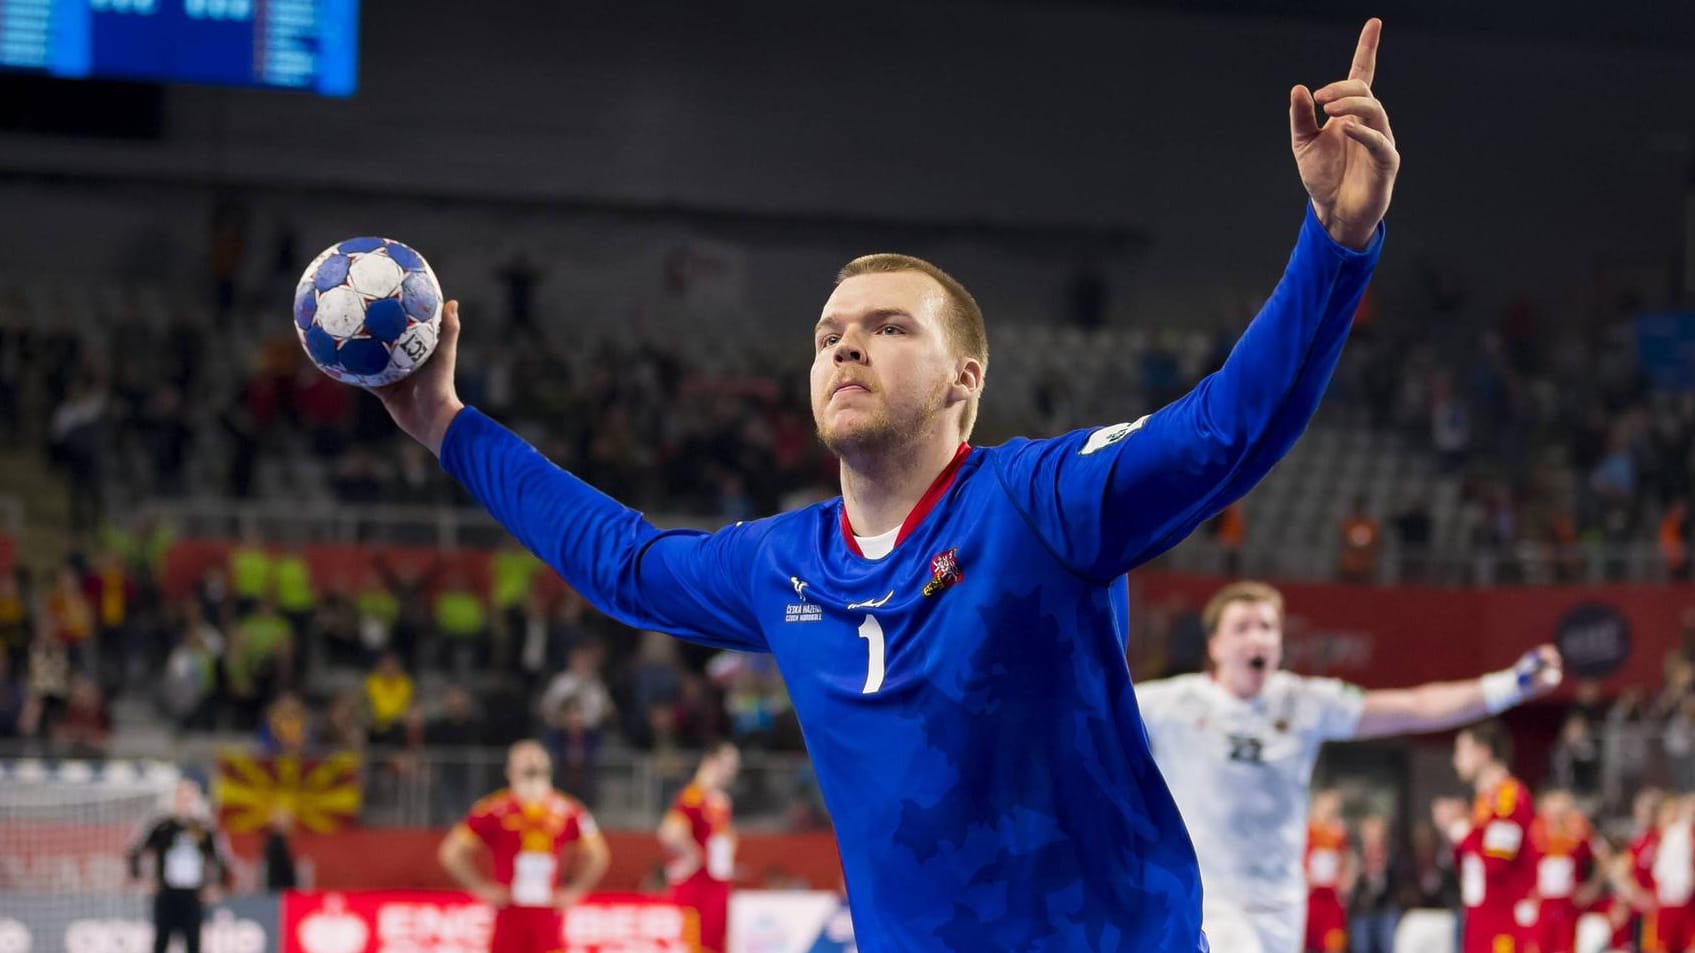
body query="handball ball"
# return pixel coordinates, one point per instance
(368, 311)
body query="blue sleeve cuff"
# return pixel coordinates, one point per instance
(1313, 232)
(462, 430)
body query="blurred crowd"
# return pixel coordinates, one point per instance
(150, 426)
(413, 657)
(1554, 436)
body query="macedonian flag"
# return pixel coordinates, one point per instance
(321, 794)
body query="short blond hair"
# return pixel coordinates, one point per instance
(1246, 591)
(963, 319)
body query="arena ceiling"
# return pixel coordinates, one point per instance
(1659, 25)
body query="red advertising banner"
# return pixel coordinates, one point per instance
(404, 858)
(417, 921)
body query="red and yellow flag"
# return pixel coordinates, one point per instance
(321, 794)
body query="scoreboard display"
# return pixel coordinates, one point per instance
(309, 45)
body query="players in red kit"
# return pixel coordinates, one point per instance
(1497, 870)
(1568, 877)
(1645, 815)
(546, 851)
(1623, 904)
(701, 845)
(1329, 869)
(1673, 872)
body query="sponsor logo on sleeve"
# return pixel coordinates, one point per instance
(1107, 436)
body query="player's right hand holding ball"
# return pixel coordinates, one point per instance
(425, 402)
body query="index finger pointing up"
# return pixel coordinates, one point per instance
(1365, 56)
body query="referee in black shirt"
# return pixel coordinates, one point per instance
(189, 864)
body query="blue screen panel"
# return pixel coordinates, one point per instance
(291, 44)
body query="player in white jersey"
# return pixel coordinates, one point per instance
(1237, 747)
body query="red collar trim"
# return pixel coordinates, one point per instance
(926, 503)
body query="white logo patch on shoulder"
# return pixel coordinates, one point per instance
(1107, 436)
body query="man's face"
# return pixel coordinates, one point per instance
(1327, 805)
(1560, 808)
(1469, 757)
(727, 764)
(1669, 812)
(185, 800)
(529, 771)
(456, 702)
(1247, 646)
(882, 370)
(1644, 808)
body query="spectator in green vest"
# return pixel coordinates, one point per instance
(512, 575)
(461, 622)
(296, 596)
(144, 544)
(260, 660)
(251, 571)
(377, 609)
(141, 543)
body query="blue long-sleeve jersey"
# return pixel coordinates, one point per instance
(965, 699)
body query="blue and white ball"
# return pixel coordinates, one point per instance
(368, 311)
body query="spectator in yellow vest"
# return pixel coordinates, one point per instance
(388, 696)
(112, 594)
(70, 616)
(17, 617)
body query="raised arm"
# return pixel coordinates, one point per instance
(1441, 705)
(1108, 500)
(686, 583)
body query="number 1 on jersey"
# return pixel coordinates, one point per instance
(872, 632)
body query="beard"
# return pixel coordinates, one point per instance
(531, 790)
(884, 430)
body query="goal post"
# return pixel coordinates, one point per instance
(65, 828)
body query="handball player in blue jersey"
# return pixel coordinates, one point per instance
(950, 629)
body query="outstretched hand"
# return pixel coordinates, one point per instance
(1540, 671)
(425, 402)
(1348, 164)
